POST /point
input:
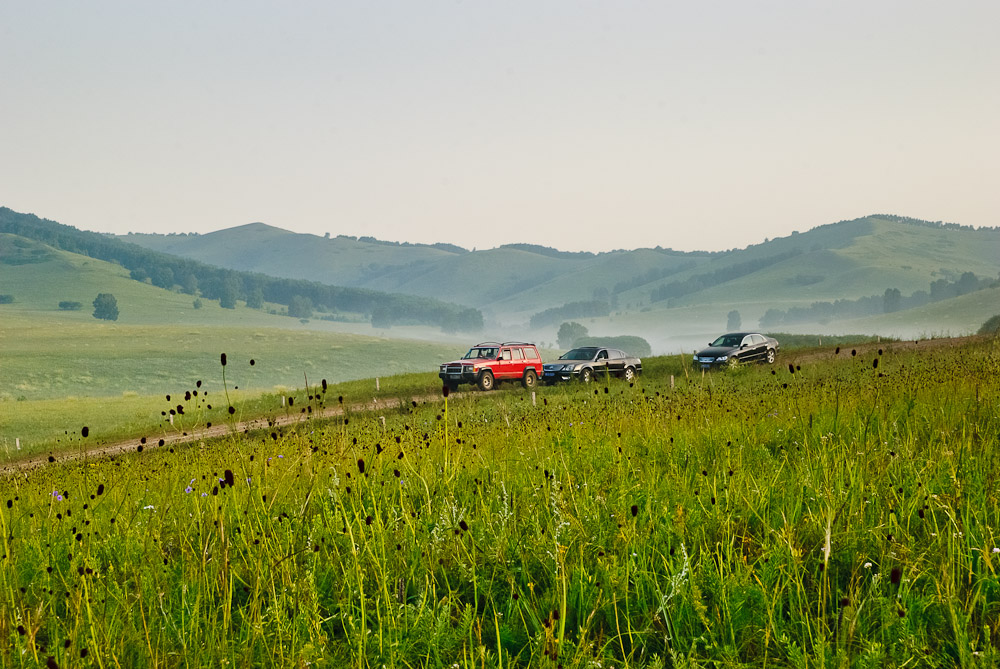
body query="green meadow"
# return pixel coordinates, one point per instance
(839, 509)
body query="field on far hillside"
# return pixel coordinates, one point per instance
(839, 508)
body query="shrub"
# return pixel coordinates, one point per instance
(6, 299)
(67, 305)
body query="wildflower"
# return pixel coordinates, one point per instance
(189, 489)
(868, 565)
(55, 493)
(149, 506)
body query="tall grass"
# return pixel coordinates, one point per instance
(844, 513)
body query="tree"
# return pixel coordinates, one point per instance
(300, 307)
(189, 284)
(69, 305)
(891, 300)
(229, 292)
(163, 277)
(569, 333)
(733, 320)
(106, 307)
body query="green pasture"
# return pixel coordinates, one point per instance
(59, 373)
(829, 511)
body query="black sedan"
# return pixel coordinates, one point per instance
(737, 348)
(587, 362)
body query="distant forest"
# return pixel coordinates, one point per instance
(228, 286)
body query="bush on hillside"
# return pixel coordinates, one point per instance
(6, 299)
(67, 305)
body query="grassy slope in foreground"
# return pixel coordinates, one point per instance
(843, 514)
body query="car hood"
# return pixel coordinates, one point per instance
(461, 361)
(716, 351)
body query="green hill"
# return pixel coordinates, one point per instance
(256, 247)
(847, 260)
(160, 341)
(299, 296)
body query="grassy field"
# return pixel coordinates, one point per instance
(56, 375)
(836, 510)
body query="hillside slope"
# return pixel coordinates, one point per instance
(845, 260)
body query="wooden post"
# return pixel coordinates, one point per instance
(376, 384)
(533, 403)
(671, 381)
(17, 442)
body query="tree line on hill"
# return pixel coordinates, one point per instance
(890, 301)
(228, 286)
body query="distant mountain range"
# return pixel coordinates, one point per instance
(512, 283)
(874, 275)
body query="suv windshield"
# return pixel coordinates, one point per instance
(476, 353)
(579, 354)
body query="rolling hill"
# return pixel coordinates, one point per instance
(160, 341)
(847, 260)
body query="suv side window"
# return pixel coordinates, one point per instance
(518, 353)
(531, 353)
(505, 355)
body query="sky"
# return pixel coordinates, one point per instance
(580, 125)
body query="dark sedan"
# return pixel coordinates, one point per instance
(587, 362)
(737, 348)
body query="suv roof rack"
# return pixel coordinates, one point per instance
(506, 343)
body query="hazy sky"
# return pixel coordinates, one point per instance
(575, 124)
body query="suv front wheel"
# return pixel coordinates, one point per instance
(486, 381)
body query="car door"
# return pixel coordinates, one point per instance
(601, 363)
(757, 347)
(505, 363)
(517, 363)
(616, 362)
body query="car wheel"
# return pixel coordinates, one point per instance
(629, 374)
(770, 356)
(587, 375)
(486, 381)
(530, 379)
(733, 363)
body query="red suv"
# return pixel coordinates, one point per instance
(489, 363)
